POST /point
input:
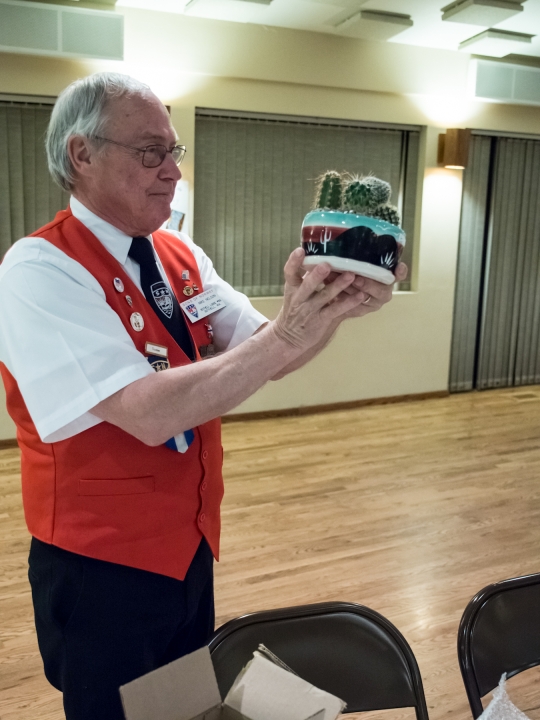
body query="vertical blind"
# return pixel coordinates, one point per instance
(509, 350)
(255, 181)
(469, 267)
(496, 339)
(28, 196)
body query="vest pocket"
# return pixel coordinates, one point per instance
(117, 486)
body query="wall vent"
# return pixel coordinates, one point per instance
(38, 29)
(507, 83)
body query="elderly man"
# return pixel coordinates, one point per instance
(121, 465)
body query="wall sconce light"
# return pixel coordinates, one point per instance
(453, 148)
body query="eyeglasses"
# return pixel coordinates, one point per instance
(152, 155)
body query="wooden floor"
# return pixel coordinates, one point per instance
(408, 508)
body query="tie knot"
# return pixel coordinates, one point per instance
(141, 251)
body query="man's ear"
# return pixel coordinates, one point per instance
(80, 153)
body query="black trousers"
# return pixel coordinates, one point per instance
(100, 625)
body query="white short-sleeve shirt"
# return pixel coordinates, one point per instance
(66, 347)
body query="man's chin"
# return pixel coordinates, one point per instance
(161, 208)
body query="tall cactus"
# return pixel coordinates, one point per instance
(329, 191)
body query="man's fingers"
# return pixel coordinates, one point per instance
(293, 266)
(343, 305)
(335, 288)
(378, 290)
(311, 282)
(401, 272)
(381, 291)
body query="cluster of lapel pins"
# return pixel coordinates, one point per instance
(136, 319)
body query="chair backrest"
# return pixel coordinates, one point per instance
(343, 648)
(499, 632)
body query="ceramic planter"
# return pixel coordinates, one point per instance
(361, 244)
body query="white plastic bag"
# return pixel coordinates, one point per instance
(501, 707)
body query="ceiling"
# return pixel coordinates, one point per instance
(428, 29)
(419, 22)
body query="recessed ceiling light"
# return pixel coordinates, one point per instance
(481, 12)
(374, 25)
(496, 43)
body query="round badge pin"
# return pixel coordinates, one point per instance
(129, 300)
(137, 321)
(118, 285)
(188, 291)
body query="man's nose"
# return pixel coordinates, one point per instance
(169, 170)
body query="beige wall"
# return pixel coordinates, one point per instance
(191, 62)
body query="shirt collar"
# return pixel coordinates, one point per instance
(114, 240)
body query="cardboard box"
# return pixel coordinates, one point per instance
(187, 689)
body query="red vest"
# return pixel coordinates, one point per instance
(103, 493)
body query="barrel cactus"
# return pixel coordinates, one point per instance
(329, 191)
(380, 190)
(389, 213)
(363, 195)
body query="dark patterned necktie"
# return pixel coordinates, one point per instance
(159, 295)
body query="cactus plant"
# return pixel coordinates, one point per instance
(329, 191)
(380, 190)
(356, 196)
(389, 213)
(363, 195)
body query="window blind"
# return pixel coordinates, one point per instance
(496, 336)
(28, 196)
(255, 181)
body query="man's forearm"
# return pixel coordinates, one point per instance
(165, 404)
(160, 406)
(307, 356)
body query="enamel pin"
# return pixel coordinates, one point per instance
(185, 274)
(118, 285)
(129, 300)
(160, 364)
(188, 291)
(137, 321)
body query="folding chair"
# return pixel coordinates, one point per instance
(499, 632)
(343, 648)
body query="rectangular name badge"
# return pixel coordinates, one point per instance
(154, 349)
(200, 306)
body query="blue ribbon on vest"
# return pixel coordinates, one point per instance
(180, 443)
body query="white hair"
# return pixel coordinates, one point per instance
(81, 109)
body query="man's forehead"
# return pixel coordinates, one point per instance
(152, 135)
(145, 118)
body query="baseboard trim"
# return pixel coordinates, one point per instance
(332, 407)
(10, 443)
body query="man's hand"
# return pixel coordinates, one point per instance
(367, 296)
(375, 294)
(308, 313)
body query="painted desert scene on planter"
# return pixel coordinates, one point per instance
(354, 227)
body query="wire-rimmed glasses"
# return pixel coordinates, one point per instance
(152, 155)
